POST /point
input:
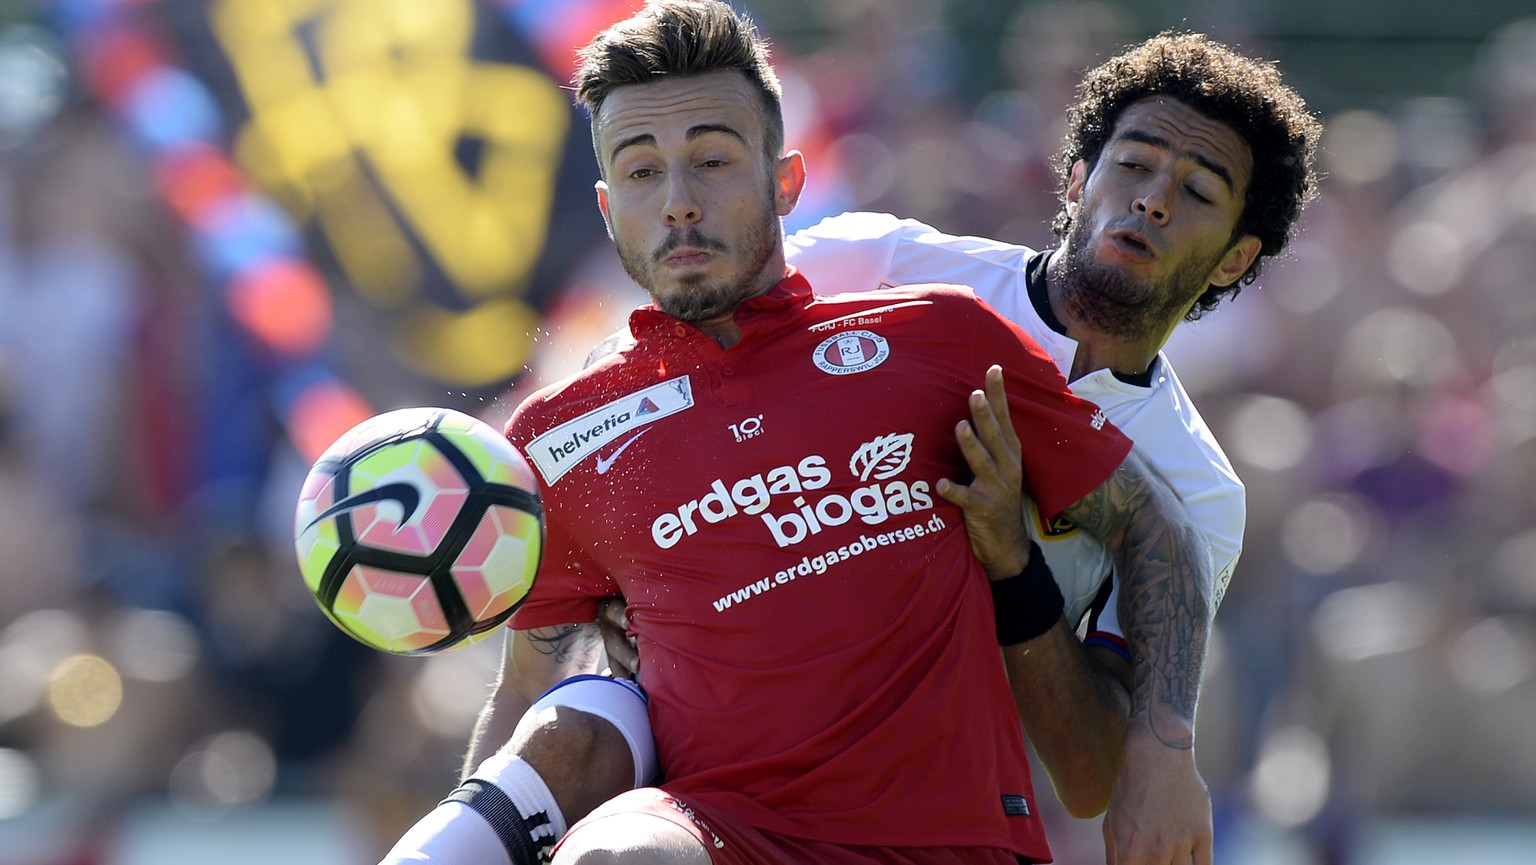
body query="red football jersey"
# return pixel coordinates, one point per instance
(815, 635)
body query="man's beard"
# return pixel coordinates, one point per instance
(1120, 304)
(697, 299)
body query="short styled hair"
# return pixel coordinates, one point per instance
(680, 38)
(1245, 94)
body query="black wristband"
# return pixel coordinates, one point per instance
(1027, 604)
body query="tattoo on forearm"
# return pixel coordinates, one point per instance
(580, 644)
(1165, 594)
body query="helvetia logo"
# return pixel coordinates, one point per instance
(851, 351)
(559, 450)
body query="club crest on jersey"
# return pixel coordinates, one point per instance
(851, 351)
(559, 450)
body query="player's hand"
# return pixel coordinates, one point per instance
(1160, 810)
(994, 499)
(623, 655)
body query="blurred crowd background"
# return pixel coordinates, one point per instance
(231, 228)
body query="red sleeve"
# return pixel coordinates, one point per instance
(1069, 446)
(569, 583)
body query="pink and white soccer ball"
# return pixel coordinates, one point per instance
(419, 530)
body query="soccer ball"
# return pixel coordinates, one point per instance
(419, 531)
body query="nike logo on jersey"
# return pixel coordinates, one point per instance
(603, 465)
(405, 495)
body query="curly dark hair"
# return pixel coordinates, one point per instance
(1246, 94)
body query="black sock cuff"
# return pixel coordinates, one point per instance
(514, 830)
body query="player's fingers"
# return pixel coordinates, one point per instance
(986, 425)
(623, 660)
(1203, 852)
(982, 492)
(997, 397)
(989, 416)
(977, 455)
(613, 621)
(611, 613)
(950, 491)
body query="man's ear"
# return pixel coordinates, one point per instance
(1237, 261)
(1077, 178)
(788, 182)
(602, 205)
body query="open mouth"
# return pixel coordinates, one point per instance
(1132, 244)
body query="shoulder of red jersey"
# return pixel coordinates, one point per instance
(892, 305)
(552, 403)
(914, 295)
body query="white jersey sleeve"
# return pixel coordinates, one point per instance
(862, 251)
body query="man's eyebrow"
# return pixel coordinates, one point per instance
(706, 128)
(693, 132)
(642, 138)
(1161, 143)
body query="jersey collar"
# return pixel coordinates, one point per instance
(793, 291)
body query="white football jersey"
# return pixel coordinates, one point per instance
(877, 249)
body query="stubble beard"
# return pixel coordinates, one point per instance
(696, 298)
(1117, 303)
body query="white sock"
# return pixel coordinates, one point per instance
(528, 792)
(503, 815)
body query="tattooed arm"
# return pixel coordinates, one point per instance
(1165, 587)
(1160, 809)
(533, 661)
(1075, 700)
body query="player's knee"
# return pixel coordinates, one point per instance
(604, 708)
(631, 839)
(582, 758)
(565, 736)
(586, 738)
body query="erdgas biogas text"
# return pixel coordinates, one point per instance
(809, 514)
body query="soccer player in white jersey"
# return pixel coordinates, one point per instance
(1151, 406)
(1185, 166)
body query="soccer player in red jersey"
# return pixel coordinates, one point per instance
(803, 693)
